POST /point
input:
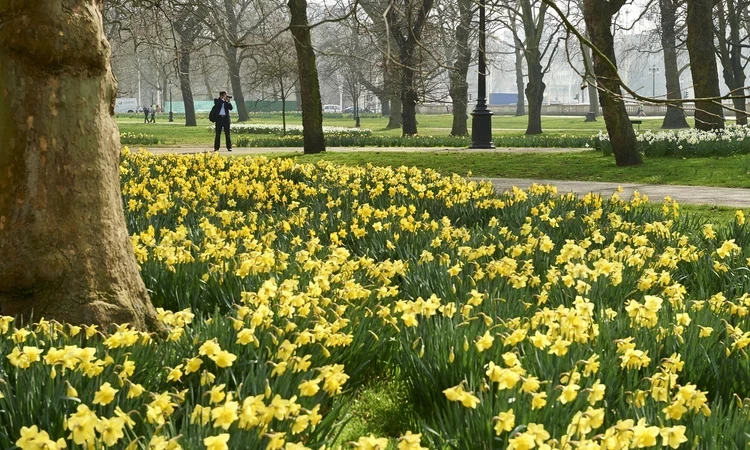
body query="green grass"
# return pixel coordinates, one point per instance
(176, 133)
(731, 171)
(380, 408)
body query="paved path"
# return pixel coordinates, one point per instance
(694, 195)
(266, 150)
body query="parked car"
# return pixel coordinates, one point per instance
(331, 109)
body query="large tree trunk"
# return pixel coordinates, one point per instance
(709, 115)
(66, 253)
(230, 52)
(459, 88)
(187, 90)
(534, 93)
(385, 105)
(409, 98)
(598, 16)
(312, 108)
(675, 116)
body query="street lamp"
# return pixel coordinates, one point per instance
(653, 70)
(171, 115)
(481, 125)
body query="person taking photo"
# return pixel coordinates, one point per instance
(223, 104)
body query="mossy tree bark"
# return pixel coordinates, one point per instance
(729, 48)
(312, 108)
(598, 15)
(591, 84)
(675, 116)
(709, 115)
(518, 51)
(188, 28)
(66, 253)
(459, 87)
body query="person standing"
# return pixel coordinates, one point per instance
(153, 113)
(223, 104)
(145, 114)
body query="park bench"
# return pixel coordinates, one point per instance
(637, 122)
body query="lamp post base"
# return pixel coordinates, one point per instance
(481, 129)
(171, 116)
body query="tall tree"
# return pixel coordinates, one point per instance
(459, 87)
(709, 114)
(518, 53)
(675, 116)
(66, 253)
(406, 26)
(598, 15)
(730, 40)
(188, 27)
(590, 81)
(312, 107)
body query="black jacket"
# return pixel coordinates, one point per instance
(227, 106)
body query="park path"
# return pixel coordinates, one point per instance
(693, 195)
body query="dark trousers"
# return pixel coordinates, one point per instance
(222, 122)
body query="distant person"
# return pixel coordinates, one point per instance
(223, 105)
(153, 114)
(641, 112)
(145, 114)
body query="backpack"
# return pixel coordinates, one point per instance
(214, 112)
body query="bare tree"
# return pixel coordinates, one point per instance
(730, 38)
(598, 15)
(709, 114)
(459, 87)
(66, 250)
(312, 107)
(675, 116)
(406, 25)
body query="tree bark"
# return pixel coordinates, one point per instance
(730, 54)
(230, 53)
(533, 27)
(675, 116)
(520, 104)
(591, 85)
(459, 87)
(395, 119)
(534, 94)
(709, 114)
(187, 90)
(407, 33)
(312, 108)
(66, 253)
(598, 16)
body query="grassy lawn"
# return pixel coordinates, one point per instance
(432, 125)
(733, 171)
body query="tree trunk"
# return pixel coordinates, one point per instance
(66, 253)
(459, 88)
(520, 105)
(409, 98)
(312, 108)
(598, 16)
(230, 53)
(675, 116)
(187, 90)
(730, 54)
(385, 105)
(534, 93)
(709, 114)
(283, 106)
(591, 85)
(395, 119)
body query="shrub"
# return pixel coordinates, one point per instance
(138, 139)
(690, 143)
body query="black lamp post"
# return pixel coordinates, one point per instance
(171, 115)
(481, 125)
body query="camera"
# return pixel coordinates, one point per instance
(229, 96)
